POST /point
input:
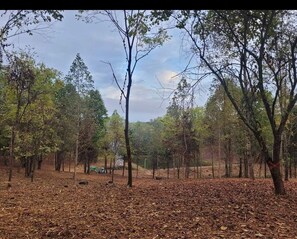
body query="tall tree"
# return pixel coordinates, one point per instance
(115, 129)
(20, 76)
(257, 51)
(138, 39)
(181, 110)
(92, 127)
(80, 77)
(66, 123)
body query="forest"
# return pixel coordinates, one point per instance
(239, 147)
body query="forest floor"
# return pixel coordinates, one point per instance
(52, 207)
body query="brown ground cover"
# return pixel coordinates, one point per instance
(51, 207)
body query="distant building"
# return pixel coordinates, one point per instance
(119, 161)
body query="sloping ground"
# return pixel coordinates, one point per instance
(51, 207)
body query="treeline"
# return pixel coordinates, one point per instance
(178, 139)
(250, 55)
(43, 113)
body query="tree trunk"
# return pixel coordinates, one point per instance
(275, 171)
(274, 167)
(105, 160)
(251, 167)
(219, 153)
(124, 166)
(76, 158)
(290, 167)
(11, 158)
(246, 165)
(112, 171)
(240, 168)
(58, 159)
(295, 167)
(127, 139)
(260, 167)
(137, 161)
(40, 159)
(212, 162)
(33, 167)
(168, 167)
(230, 158)
(70, 157)
(85, 166)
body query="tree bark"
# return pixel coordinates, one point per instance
(274, 167)
(240, 168)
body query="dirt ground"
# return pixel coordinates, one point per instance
(52, 207)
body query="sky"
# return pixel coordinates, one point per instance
(153, 81)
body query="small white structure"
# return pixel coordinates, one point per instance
(119, 161)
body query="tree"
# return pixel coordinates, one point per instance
(222, 120)
(257, 51)
(28, 110)
(80, 77)
(138, 40)
(115, 131)
(142, 142)
(66, 124)
(20, 76)
(37, 134)
(181, 109)
(92, 127)
(17, 22)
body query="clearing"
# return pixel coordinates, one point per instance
(51, 207)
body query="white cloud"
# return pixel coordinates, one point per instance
(153, 80)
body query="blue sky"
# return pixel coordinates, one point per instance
(58, 45)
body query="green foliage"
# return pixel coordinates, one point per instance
(28, 106)
(79, 76)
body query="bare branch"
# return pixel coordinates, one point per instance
(115, 78)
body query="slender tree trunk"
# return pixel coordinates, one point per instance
(33, 167)
(11, 158)
(105, 160)
(265, 170)
(290, 167)
(85, 166)
(112, 171)
(240, 167)
(127, 139)
(70, 159)
(63, 164)
(246, 164)
(230, 161)
(168, 167)
(295, 167)
(76, 158)
(260, 168)
(212, 162)
(195, 165)
(137, 161)
(285, 156)
(251, 167)
(219, 150)
(58, 159)
(40, 159)
(124, 166)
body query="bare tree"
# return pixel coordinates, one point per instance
(138, 39)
